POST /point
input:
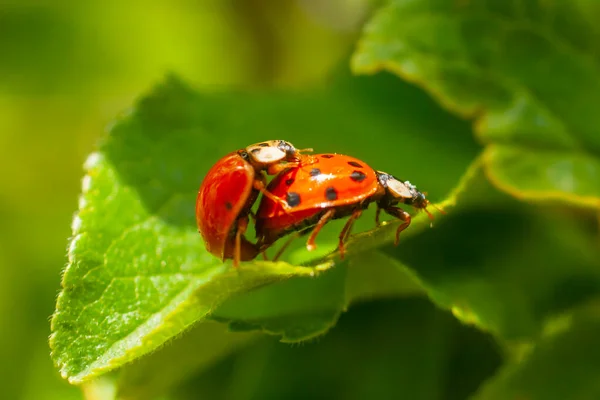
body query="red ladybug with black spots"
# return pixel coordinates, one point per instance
(229, 190)
(332, 186)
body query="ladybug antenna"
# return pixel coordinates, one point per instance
(430, 215)
(307, 150)
(431, 218)
(438, 208)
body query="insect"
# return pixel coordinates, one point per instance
(333, 186)
(229, 190)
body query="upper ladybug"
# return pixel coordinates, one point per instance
(229, 190)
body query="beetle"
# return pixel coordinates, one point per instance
(229, 190)
(333, 186)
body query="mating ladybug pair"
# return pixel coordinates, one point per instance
(308, 191)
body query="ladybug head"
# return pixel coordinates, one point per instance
(405, 192)
(291, 153)
(402, 192)
(271, 152)
(288, 148)
(418, 199)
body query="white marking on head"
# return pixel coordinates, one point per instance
(399, 189)
(267, 155)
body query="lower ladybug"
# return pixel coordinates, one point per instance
(332, 186)
(229, 190)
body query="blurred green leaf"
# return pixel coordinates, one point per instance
(378, 350)
(374, 275)
(563, 365)
(197, 350)
(101, 388)
(502, 265)
(529, 71)
(138, 272)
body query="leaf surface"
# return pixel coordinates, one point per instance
(138, 273)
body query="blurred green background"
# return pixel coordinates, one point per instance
(68, 69)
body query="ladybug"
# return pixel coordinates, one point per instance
(229, 190)
(333, 186)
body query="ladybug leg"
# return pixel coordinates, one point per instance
(355, 215)
(347, 229)
(260, 185)
(263, 247)
(377, 214)
(264, 254)
(403, 216)
(310, 243)
(237, 250)
(293, 237)
(286, 245)
(274, 169)
(277, 168)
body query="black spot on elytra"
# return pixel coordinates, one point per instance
(254, 151)
(289, 181)
(228, 205)
(327, 156)
(331, 193)
(315, 172)
(355, 164)
(357, 176)
(293, 199)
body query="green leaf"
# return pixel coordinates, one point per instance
(528, 71)
(138, 273)
(563, 365)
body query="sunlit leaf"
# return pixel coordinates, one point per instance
(138, 272)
